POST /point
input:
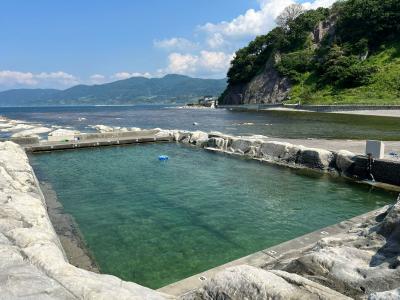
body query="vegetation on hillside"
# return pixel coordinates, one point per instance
(357, 61)
(135, 90)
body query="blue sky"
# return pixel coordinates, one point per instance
(57, 44)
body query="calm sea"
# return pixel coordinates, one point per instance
(145, 222)
(272, 123)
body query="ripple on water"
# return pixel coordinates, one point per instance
(155, 222)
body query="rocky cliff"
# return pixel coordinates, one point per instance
(270, 86)
(267, 87)
(345, 54)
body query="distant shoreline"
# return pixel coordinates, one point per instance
(94, 105)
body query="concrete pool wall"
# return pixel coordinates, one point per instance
(342, 162)
(189, 285)
(28, 237)
(32, 261)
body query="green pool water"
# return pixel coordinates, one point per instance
(155, 222)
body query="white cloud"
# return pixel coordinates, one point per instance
(175, 43)
(318, 3)
(215, 61)
(182, 63)
(126, 75)
(209, 55)
(10, 79)
(97, 79)
(61, 80)
(216, 42)
(206, 63)
(252, 22)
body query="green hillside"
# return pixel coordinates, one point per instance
(136, 90)
(382, 86)
(357, 60)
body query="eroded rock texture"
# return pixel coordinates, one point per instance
(258, 147)
(267, 87)
(32, 262)
(362, 263)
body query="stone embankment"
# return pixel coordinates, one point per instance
(361, 263)
(22, 132)
(342, 162)
(33, 264)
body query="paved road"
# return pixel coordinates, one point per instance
(355, 146)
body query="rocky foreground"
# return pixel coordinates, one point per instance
(33, 264)
(22, 129)
(362, 263)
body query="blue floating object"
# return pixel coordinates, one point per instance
(163, 157)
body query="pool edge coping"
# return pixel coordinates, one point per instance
(257, 259)
(262, 257)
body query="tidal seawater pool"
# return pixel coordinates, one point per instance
(156, 222)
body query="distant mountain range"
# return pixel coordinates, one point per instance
(136, 90)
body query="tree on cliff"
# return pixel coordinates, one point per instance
(289, 14)
(353, 46)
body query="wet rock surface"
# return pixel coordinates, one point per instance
(246, 282)
(23, 132)
(362, 263)
(267, 87)
(257, 147)
(340, 162)
(33, 264)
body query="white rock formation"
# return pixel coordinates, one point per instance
(246, 282)
(103, 128)
(22, 129)
(315, 158)
(31, 132)
(5, 125)
(21, 126)
(280, 151)
(182, 136)
(344, 160)
(164, 133)
(64, 132)
(199, 138)
(257, 147)
(32, 262)
(362, 263)
(387, 295)
(241, 146)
